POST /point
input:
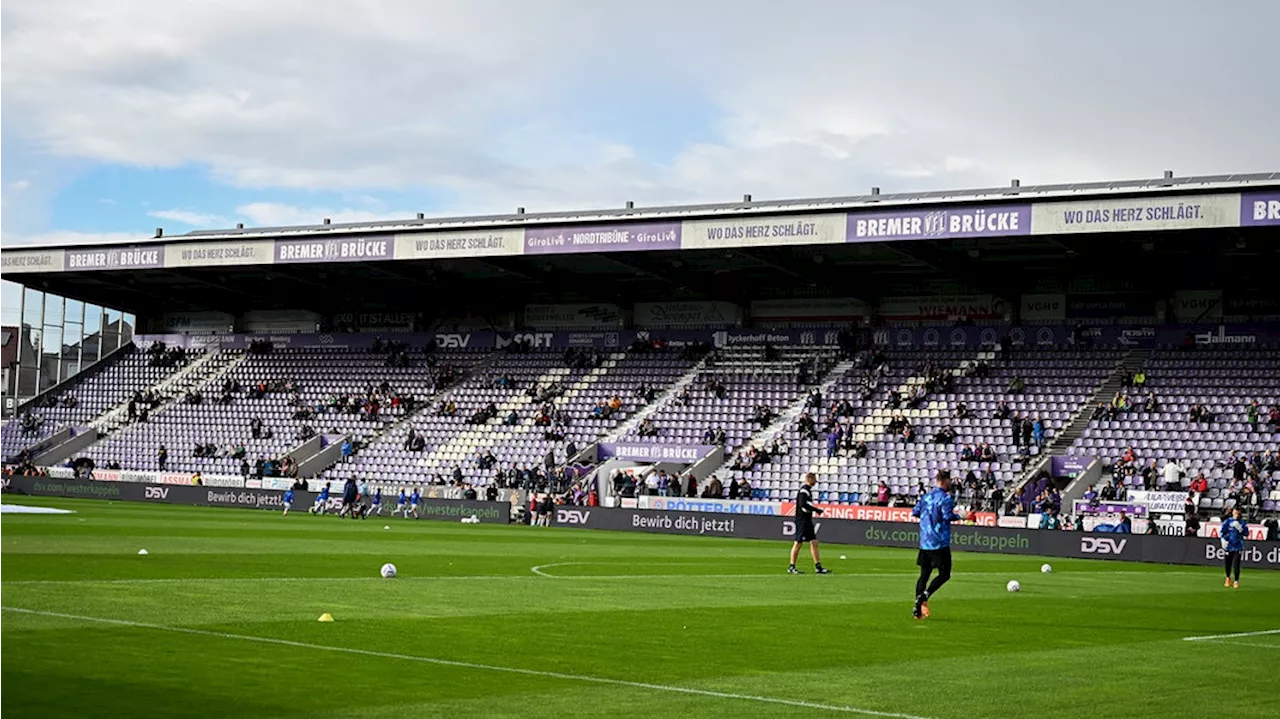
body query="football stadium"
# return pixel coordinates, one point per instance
(1005, 451)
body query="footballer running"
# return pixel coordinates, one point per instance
(936, 511)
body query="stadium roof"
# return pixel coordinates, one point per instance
(1216, 246)
(1203, 183)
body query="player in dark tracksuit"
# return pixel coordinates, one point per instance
(805, 530)
(1233, 533)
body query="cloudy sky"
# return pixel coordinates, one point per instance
(122, 116)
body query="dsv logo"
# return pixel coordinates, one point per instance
(789, 528)
(1102, 545)
(572, 516)
(155, 492)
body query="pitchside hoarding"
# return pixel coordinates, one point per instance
(1126, 547)
(491, 512)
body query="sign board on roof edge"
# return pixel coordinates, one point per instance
(763, 231)
(475, 243)
(220, 253)
(1141, 213)
(338, 248)
(1260, 208)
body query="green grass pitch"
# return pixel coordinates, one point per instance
(219, 619)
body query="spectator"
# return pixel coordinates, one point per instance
(1049, 520)
(1172, 474)
(647, 429)
(162, 458)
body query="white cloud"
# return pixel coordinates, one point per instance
(194, 219)
(20, 185)
(567, 104)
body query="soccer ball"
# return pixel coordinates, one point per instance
(1046, 568)
(1013, 586)
(388, 571)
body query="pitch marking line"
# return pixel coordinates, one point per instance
(1240, 635)
(471, 665)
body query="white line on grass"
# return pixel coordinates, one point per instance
(1234, 643)
(538, 571)
(471, 665)
(1240, 635)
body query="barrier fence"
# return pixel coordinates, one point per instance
(1123, 547)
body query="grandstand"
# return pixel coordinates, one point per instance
(871, 340)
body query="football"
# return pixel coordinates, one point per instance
(1046, 568)
(388, 571)
(1013, 586)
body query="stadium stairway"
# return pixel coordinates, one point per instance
(427, 404)
(200, 372)
(873, 426)
(790, 415)
(495, 433)
(1125, 368)
(658, 402)
(168, 388)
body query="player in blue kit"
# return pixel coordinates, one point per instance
(288, 501)
(376, 508)
(936, 511)
(1234, 531)
(322, 501)
(402, 504)
(414, 499)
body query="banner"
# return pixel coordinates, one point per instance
(1256, 209)
(639, 452)
(845, 309)
(505, 496)
(915, 309)
(733, 338)
(1081, 506)
(1043, 308)
(1125, 547)
(902, 337)
(763, 231)
(686, 314)
(940, 223)
(198, 322)
(223, 253)
(722, 506)
(490, 512)
(1069, 466)
(21, 261)
(1213, 530)
(471, 243)
(1197, 305)
(340, 248)
(602, 238)
(1251, 303)
(1162, 502)
(116, 258)
(1107, 305)
(562, 316)
(1129, 215)
(876, 514)
(375, 321)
